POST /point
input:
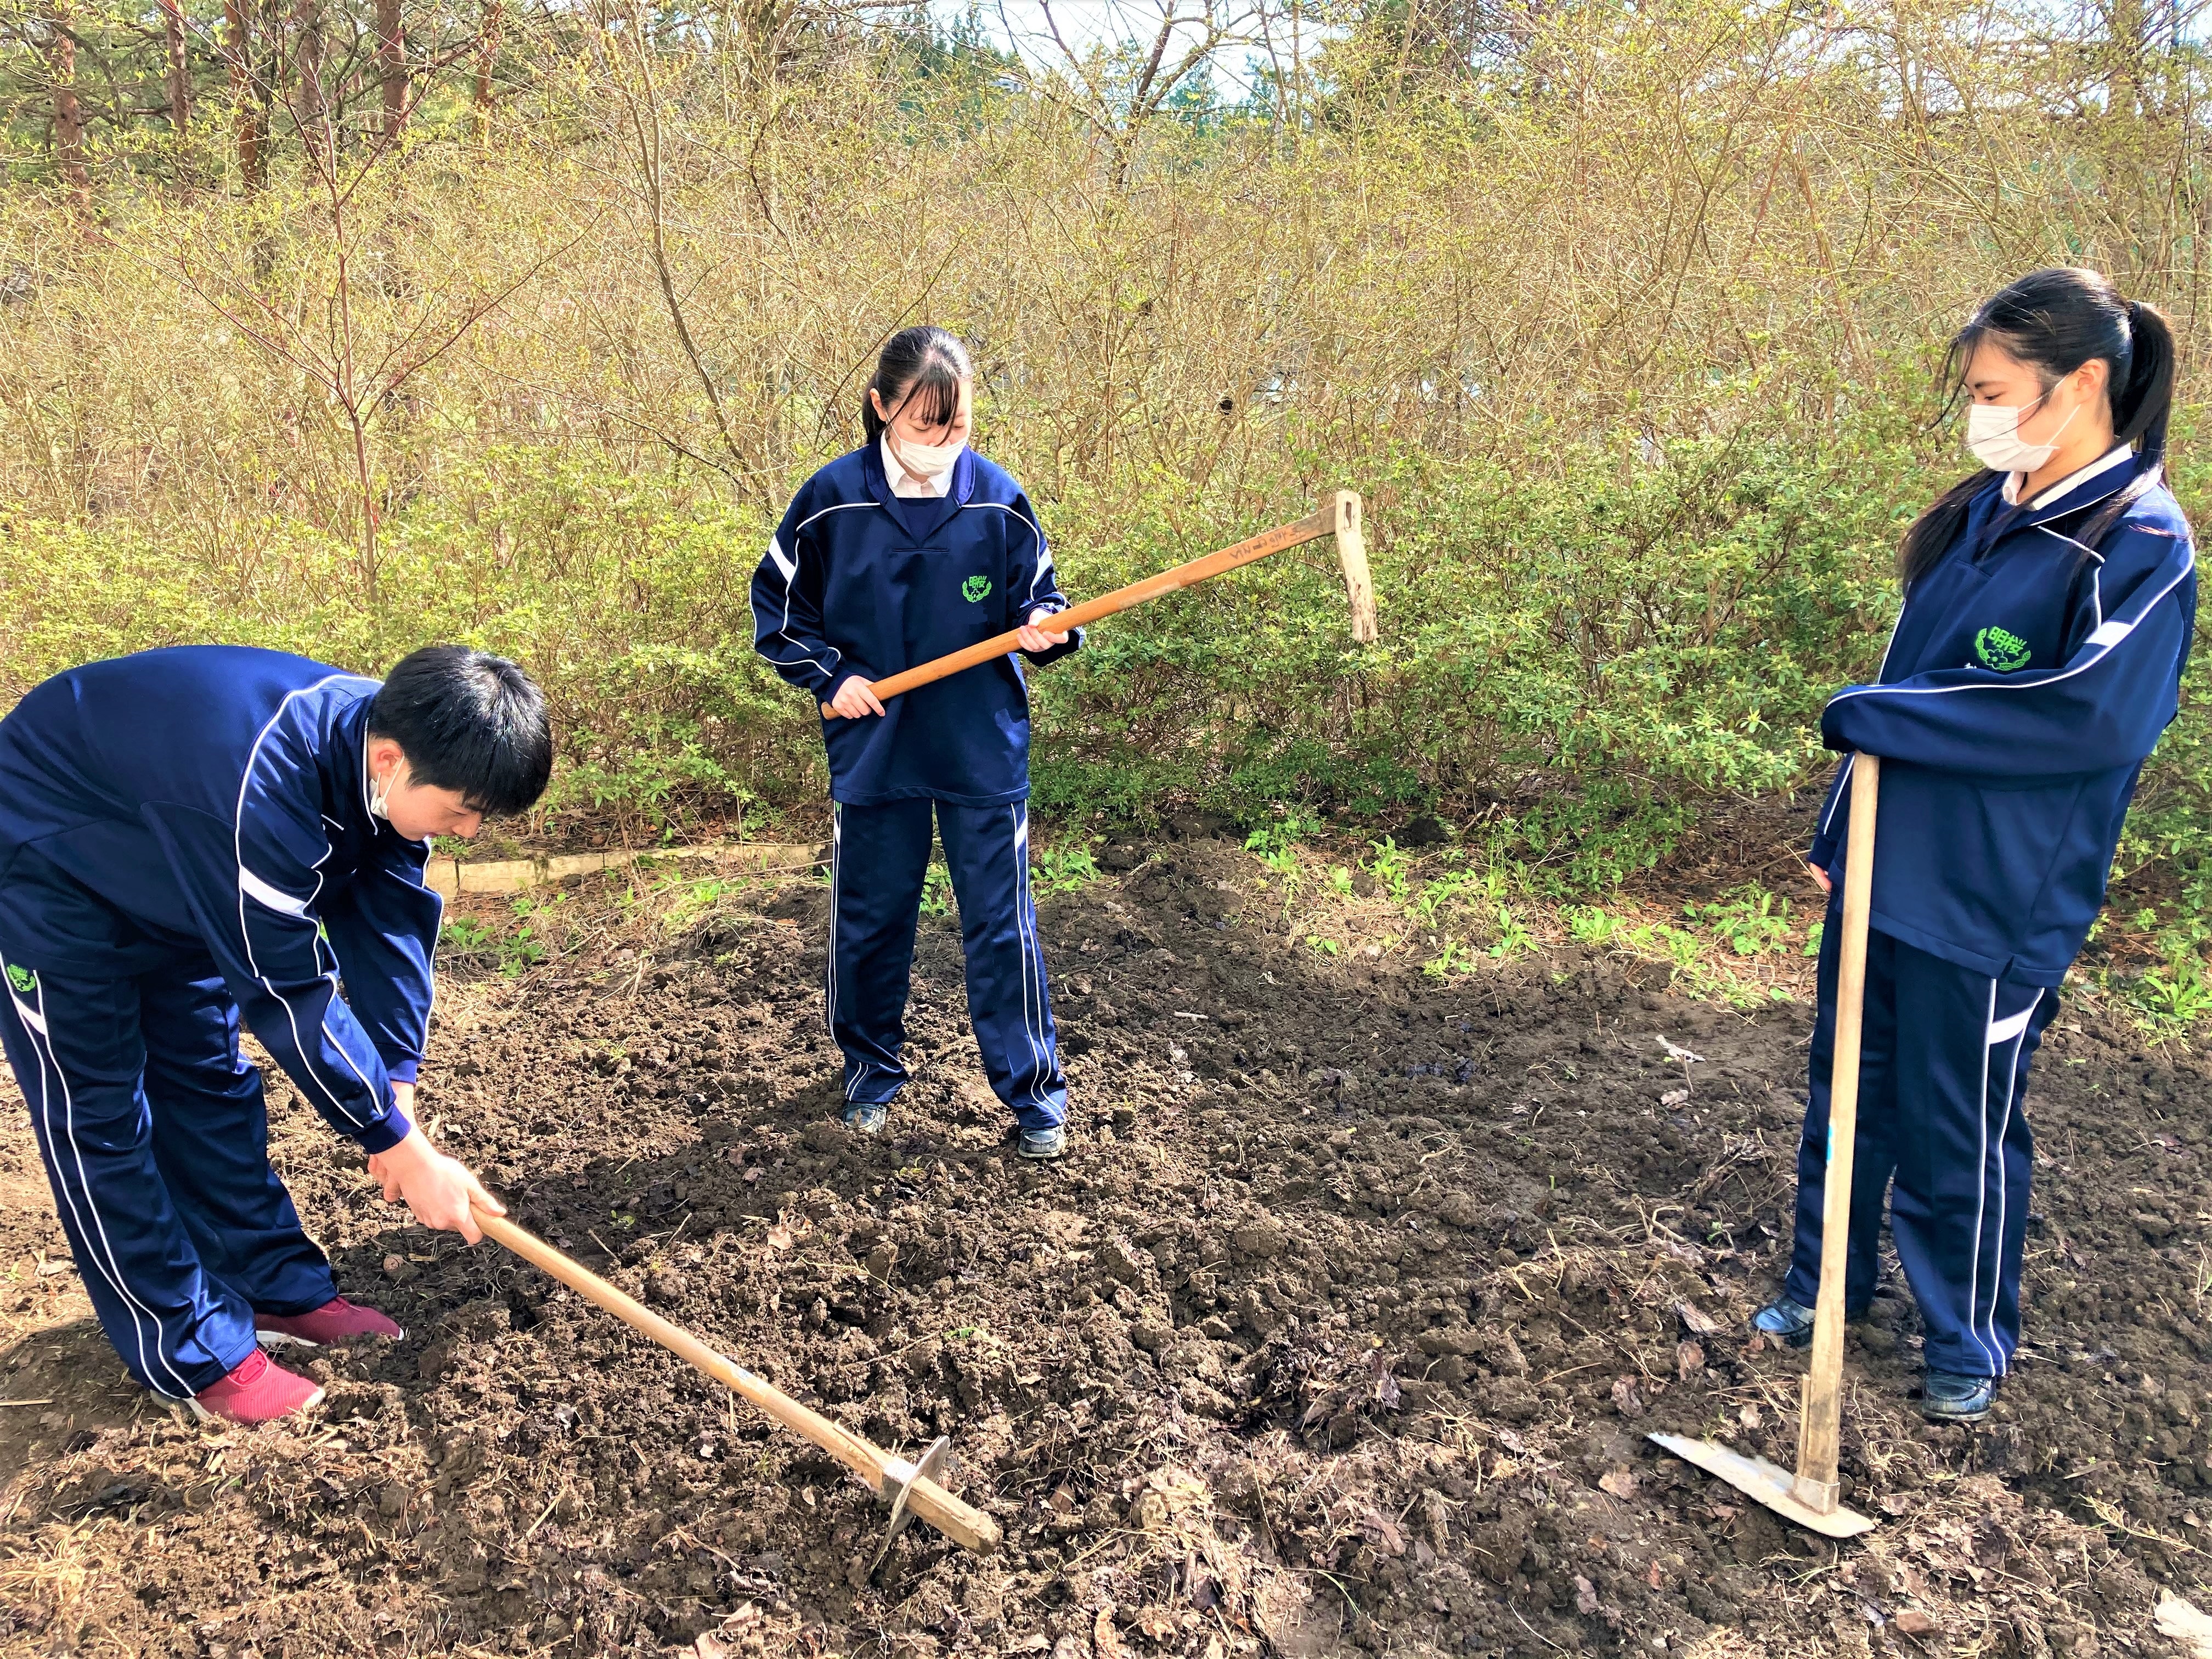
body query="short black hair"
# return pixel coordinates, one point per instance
(468, 721)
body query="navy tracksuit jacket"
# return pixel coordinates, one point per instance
(857, 580)
(2028, 678)
(186, 836)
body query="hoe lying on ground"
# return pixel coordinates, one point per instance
(1340, 519)
(912, 1488)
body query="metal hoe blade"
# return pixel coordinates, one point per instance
(898, 1483)
(1770, 1484)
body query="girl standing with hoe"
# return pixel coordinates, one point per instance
(2049, 605)
(908, 548)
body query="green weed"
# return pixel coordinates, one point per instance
(1389, 866)
(465, 933)
(1513, 939)
(1068, 867)
(1275, 842)
(1453, 958)
(2168, 1000)
(1751, 923)
(937, 891)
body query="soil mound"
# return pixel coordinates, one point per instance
(1342, 1329)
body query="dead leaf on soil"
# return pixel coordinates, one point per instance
(2179, 1619)
(1689, 1360)
(1198, 1584)
(1105, 1640)
(1913, 1622)
(1387, 1392)
(1383, 1530)
(1585, 1596)
(1283, 1608)
(1621, 1482)
(1626, 1399)
(1063, 1500)
(1696, 1321)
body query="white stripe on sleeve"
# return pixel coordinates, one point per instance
(275, 898)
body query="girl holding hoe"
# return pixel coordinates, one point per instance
(911, 547)
(2049, 605)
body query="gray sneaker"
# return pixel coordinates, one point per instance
(1043, 1146)
(867, 1117)
(1949, 1397)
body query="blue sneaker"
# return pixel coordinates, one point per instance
(1043, 1146)
(867, 1117)
(1783, 1321)
(1790, 1323)
(1950, 1397)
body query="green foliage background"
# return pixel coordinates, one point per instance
(1625, 326)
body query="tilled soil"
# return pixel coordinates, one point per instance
(1342, 1328)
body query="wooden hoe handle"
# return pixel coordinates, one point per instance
(1819, 1431)
(959, 1522)
(1340, 519)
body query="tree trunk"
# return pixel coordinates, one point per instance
(68, 114)
(309, 107)
(245, 96)
(179, 77)
(392, 64)
(487, 55)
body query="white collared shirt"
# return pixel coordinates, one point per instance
(2119, 456)
(909, 487)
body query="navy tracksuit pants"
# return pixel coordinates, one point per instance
(1943, 1072)
(155, 1138)
(881, 858)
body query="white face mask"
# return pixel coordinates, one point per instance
(379, 794)
(924, 460)
(1993, 437)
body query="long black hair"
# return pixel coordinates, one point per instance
(923, 361)
(2055, 321)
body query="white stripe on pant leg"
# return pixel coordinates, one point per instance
(1030, 1026)
(836, 863)
(1045, 1057)
(110, 1269)
(2016, 1028)
(1981, 1190)
(1025, 921)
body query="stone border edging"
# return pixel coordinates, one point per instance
(448, 876)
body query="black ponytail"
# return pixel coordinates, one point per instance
(924, 363)
(2055, 321)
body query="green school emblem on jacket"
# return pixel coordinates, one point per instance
(22, 979)
(976, 589)
(2000, 649)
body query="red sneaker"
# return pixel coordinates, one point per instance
(336, 1320)
(256, 1391)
